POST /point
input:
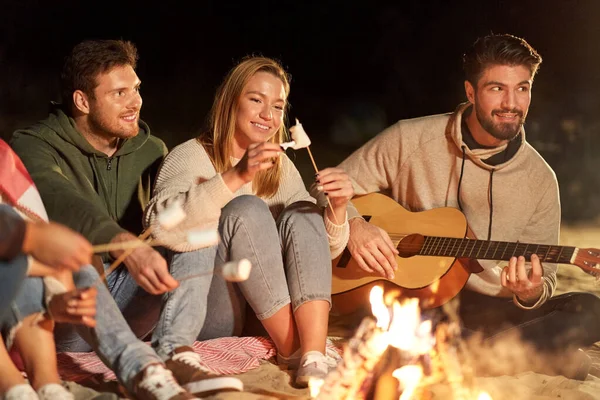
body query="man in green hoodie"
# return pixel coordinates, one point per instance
(93, 161)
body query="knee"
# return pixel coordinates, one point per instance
(303, 214)
(86, 276)
(245, 205)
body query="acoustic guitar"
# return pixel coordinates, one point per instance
(435, 263)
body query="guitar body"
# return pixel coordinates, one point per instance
(434, 280)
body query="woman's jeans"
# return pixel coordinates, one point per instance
(291, 263)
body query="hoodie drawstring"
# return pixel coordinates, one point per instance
(462, 170)
(490, 193)
(491, 197)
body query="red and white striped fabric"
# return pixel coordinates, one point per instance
(17, 187)
(231, 355)
(224, 356)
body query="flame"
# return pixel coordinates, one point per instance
(484, 396)
(409, 377)
(314, 386)
(378, 307)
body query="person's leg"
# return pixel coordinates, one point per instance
(12, 274)
(111, 339)
(10, 376)
(248, 231)
(549, 336)
(307, 261)
(184, 311)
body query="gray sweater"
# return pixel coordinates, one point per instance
(188, 176)
(418, 163)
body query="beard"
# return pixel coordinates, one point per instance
(501, 130)
(110, 128)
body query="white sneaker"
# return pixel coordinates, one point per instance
(20, 392)
(54, 391)
(314, 364)
(293, 361)
(157, 383)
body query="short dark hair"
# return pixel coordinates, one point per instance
(90, 58)
(498, 50)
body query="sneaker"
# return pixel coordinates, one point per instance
(189, 372)
(314, 364)
(293, 361)
(54, 391)
(156, 382)
(20, 392)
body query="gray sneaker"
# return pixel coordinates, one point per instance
(195, 378)
(314, 364)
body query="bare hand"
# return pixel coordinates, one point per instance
(57, 246)
(336, 185)
(258, 157)
(514, 277)
(75, 307)
(150, 271)
(372, 248)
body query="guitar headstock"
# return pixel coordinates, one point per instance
(589, 261)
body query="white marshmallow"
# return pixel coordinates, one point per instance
(203, 238)
(171, 216)
(236, 271)
(299, 136)
(287, 145)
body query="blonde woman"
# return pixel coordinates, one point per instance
(236, 177)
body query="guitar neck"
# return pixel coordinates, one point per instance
(493, 250)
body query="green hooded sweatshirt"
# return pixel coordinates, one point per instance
(83, 188)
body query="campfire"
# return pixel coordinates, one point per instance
(397, 355)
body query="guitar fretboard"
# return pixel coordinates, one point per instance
(492, 250)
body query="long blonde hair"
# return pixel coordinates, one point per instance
(218, 141)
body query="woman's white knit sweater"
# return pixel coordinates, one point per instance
(189, 177)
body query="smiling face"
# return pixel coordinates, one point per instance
(114, 110)
(260, 110)
(501, 100)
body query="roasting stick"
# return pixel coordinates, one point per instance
(300, 140)
(170, 217)
(234, 271)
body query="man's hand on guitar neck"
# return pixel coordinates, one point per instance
(372, 248)
(527, 287)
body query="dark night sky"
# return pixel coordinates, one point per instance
(356, 68)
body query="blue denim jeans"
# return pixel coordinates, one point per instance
(29, 300)
(291, 263)
(112, 338)
(570, 320)
(12, 275)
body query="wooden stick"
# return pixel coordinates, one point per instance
(317, 171)
(123, 256)
(131, 244)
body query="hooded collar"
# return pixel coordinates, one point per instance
(478, 155)
(64, 126)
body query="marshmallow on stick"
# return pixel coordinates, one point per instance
(300, 140)
(236, 271)
(233, 271)
(171, 216)
(203, 238)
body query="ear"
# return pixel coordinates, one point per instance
(81, 101)
(470, 91)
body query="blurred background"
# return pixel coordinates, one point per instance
(356, 67)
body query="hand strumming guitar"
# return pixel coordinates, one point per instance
(372, 248)
(528, 287)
